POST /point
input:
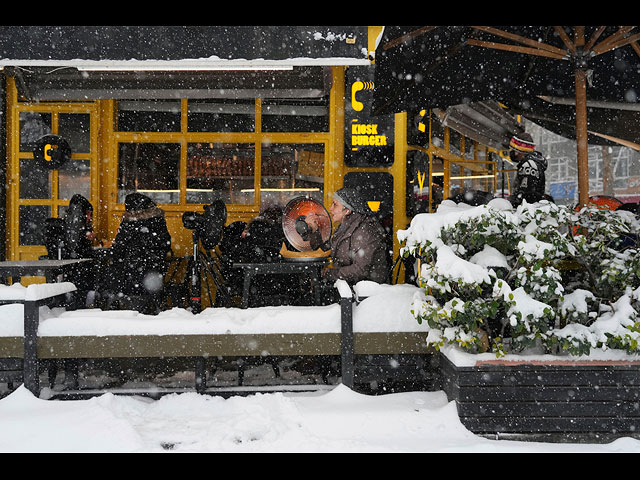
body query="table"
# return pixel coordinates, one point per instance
(49, 269)
(303, 267)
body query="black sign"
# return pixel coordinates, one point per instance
(51, 151)
(368, 139)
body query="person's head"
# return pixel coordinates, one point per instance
(78, 204)
(134, 202)
(520, 145)
(345, 201)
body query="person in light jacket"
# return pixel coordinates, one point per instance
(358, 247)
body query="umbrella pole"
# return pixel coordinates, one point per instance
(581, 138)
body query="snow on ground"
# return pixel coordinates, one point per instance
(338, 420)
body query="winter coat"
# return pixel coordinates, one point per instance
(76, 244)
(358, 251)
(140, 249)
(530, 180)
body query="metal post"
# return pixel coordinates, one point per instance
(201, 375)
(347, 344)
(30, 356)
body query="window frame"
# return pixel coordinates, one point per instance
(184, 137)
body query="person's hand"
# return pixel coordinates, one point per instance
(312, 221)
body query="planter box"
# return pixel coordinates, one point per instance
(562, 399)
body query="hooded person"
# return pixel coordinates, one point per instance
(139, 251)
(77, 242)
(78, 228)
(358, 246)
(530, 179)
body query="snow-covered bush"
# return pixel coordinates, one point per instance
(500, 279)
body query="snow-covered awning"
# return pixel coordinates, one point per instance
(58, 62)
(175, 47)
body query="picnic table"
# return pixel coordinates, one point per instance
(50, 269)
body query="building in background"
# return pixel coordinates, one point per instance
(613, 171)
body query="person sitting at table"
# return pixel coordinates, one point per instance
(77, 242)
(258, 241)
(358, 247)
(139, 256)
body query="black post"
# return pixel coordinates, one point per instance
(347, 344)
(195, 301)
(30, 357)
(201, 374)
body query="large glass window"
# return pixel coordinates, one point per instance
(33, 125)
(35, 180)
(295, 115)
(74, 177)
(44, 192)
(149, 168)
(32, 221)
(75, 129)
(221, 115)
(148, 116)
(291, 170)
(222, 171)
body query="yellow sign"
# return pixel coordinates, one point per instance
(366, 135)
(374, 205)
(355, 88)
(421, 176)
(47, 149)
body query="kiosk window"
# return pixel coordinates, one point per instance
(291, 170)
(223, 171)
(221, 115)
(33, 125)
(149, 116)
(32, 219)
(295, 115)
(149, 168)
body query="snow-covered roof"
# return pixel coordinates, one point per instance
(182, 47)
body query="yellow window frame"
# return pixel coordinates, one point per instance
(15, 251)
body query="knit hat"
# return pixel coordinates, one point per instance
(522, 142)
(351, 199)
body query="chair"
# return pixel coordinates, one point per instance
(53, 239)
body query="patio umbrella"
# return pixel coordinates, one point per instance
(439, 66)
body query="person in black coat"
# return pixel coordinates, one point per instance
(530, 180)
(77, 242)
(140, 249)
(78, 229)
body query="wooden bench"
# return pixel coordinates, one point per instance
(198, 348)
(32, 298)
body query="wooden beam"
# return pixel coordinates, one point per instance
(578, 35)
(581, 138)
(415, 33)
(604, 44)
(517, 49)
(565, 39)
(594, 38)
(617, 44)
(520, 39)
